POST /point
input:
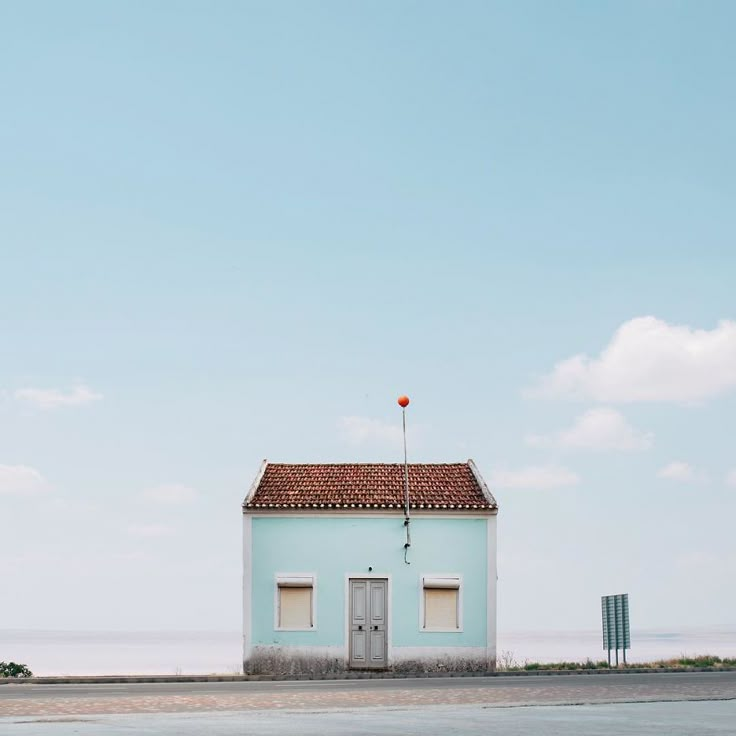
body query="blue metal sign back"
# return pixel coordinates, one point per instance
(615, 614)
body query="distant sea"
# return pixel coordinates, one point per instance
(646, 644)
(205, 652)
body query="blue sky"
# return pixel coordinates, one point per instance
(239, 230)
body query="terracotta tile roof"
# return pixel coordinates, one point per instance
(437, 487)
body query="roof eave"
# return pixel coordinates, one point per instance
(254, 486)
(364, 510)
(483, 487)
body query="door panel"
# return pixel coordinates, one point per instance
(358, 641)
(368, 614)
(378, 602)
(378, 648)
(360, 602)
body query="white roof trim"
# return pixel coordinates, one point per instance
(483, 487)
(256, 482)
(365, 513)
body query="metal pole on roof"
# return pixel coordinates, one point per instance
(403, 403)
(406, 467)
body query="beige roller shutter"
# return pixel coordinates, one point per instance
(440, 608)
(295, 607)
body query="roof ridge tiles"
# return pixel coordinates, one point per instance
(365, 465)
(325, 486)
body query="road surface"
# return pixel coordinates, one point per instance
(676, 704)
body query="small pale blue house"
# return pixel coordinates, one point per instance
(340, 573)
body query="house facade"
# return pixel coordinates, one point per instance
(334, 578)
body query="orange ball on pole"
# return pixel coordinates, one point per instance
(403, 401)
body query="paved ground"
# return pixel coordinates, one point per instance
(704, 718)
(18, 701)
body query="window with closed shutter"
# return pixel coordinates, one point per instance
(440, 609)
(295, 602)
(295, 608)
(441, 603)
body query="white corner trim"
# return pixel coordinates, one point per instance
(452, 581)
(256, 482)
(247, 587)
(294, 580)
(491, 589)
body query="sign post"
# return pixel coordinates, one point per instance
(616, 633)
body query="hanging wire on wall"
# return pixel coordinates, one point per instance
(403, 402)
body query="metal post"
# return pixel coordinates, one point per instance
(616, 624)
(615, 619)
(407, 544)
(406, 466)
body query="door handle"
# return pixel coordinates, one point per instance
(375, 628)
(360, 628)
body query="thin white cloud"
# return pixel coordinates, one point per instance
(602, 428)
(150, 530)
(21, 480)
(648, 359)
(134, 556)
(680, 472)
(54, 398)
(731, 478)
(697, 562)
(71, 506)
(170, 493)
(535, 477)
(364, 430)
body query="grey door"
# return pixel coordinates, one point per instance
(368, 616)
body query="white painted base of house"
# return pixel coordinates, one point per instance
(441, 659)
(277, 659)
(295, 660)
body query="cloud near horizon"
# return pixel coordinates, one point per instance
(602, 428)
(53, 398)
(21, 480)
(681, 472)
(534, 478)
(364, 430)
(648, 359)
(150, 531)
(170, 493)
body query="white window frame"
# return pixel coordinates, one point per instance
(451, 581)
(294, 580)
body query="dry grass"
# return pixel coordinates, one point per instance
(506, 662)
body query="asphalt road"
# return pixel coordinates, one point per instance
(613, 682)
(680, 704)
(704, 718)
(70, 700)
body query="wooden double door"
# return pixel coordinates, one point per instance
(368, 623)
